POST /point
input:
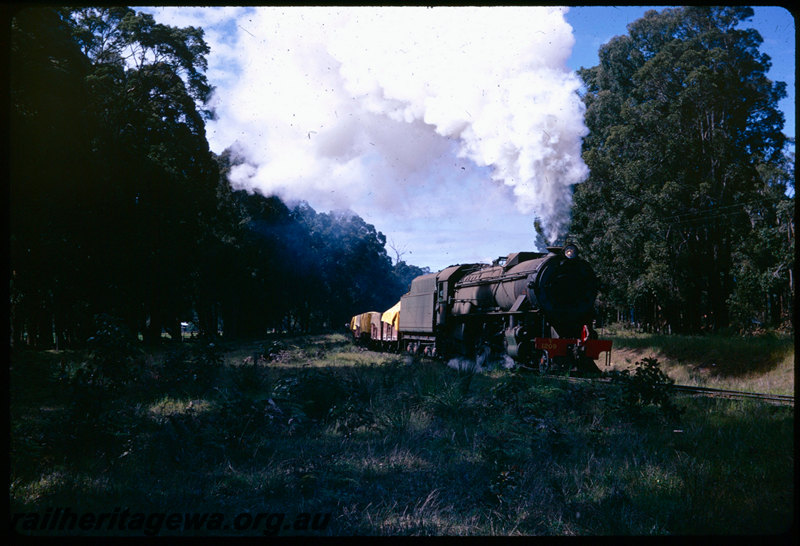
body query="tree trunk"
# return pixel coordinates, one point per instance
(173, 327)
(152, 330)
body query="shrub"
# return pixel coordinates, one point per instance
(355, 410)
(508, 390)
(506, 485)
(647, 386)
(249, 377)
(450, 402)
(113, 362)
(241, 423)
(350, 415)
(315, 391)
(191, 369)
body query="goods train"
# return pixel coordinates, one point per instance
(536, 308)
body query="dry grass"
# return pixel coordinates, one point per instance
(764, 364)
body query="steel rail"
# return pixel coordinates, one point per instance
(703, 391)
(724, 393)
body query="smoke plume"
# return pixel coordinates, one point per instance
(415, 111)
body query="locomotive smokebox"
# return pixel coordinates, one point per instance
(564, 289)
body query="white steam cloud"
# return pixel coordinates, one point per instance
(409, 110)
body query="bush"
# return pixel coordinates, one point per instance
(450, 401)
(647, 386)
(315, 391)
(350, 415)
(113, 363)
(92, 387)
(509, 390)
(191, 369)
(114, 360)
(249, 377)
(355, 410)
(242, 423)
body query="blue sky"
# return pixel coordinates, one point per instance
(450, 155)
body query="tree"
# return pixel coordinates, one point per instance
(148, 90)
(353, 272)
(403, 274)
(113, 183)
(682, 122)
(49, 140)
(121, 214)
(764, 263)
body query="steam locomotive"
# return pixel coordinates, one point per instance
(536, 308)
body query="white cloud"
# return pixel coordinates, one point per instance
(413, 118)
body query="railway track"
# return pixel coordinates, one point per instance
(782, 399)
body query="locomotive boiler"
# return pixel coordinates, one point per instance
(536, 308)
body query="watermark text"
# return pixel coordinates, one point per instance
(124, 521)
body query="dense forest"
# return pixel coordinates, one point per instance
(121, 214)
(686, 213)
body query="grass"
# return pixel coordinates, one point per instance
(757, 363)
(389, 446)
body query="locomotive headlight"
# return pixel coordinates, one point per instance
(570, 251)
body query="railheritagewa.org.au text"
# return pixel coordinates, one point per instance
(122, 521)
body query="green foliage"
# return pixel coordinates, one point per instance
(242, 420)
(191, 369)
(506, 485)
(730, 355)
(688, 173)
(508, 390)
(113, 364)
(315, 390)
(765, 259)
(449, 400)
(348, 266)
(250, 377)
(130, 166)
(207, 359)
(647, 386)
(112, 351)
(354, 411)
(404, 273)
(351, 415)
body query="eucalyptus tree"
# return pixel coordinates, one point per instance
(120, 211)
(112, 182)
(351, 271)
(49, 139)
(154, 178)
(683, 120)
